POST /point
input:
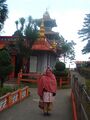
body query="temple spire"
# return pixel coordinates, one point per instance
(42, 30)
(46, 14)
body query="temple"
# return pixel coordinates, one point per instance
(44, 49)
(44, 54)
(49, 25)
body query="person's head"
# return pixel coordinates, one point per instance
(48, 71)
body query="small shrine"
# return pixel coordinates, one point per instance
(44, 54)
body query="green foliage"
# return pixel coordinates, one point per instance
(3, 12)
(60, 73)
(84, 33)
(5, 70)
(31, 31)
(5, 90)
(67, 49)
(60, 69)
(86, 48)
(27, 33)
(5, 64)
(88, 86)
(8, 89)
(60, 66)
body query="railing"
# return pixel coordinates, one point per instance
(12, 98)
(64, 81)
(28, 77)
(81, 99)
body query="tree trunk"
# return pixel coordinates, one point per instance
(2, 81)
(64, 58)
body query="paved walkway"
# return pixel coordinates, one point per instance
(28, 108)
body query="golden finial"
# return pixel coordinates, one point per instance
(54, 44)
(42, 30)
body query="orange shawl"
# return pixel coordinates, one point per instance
(47, 82)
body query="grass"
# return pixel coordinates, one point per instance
(88, 86)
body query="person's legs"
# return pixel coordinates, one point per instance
(45, 108)
(49, 106)
(48, 99)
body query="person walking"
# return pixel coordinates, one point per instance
(47, 87)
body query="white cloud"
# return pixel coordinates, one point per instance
(69, 22)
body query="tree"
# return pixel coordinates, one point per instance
(22, 22)
(3, 13)
(5, 65)
(67, 49)
(84, 33)
(27, 32)
(31, 31)
(86, 48)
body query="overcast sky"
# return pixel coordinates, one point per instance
(69, 15)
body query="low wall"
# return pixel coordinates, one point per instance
(10, 99)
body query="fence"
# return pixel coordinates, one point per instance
(64, 81)
(11, 98)
(81, 98)
(28, 77)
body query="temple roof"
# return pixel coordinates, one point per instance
(51, 32)
(41, 43)
(47, 20)
(8, 38)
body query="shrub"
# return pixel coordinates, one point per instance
(6, 66)
(60, 66)
(60, 73)
(60, 69)
(5, 90)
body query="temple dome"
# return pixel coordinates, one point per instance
(46, 15)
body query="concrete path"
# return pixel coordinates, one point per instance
(28, 108)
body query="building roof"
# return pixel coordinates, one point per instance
(51, 32)
(41, 43)
(8, 38)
